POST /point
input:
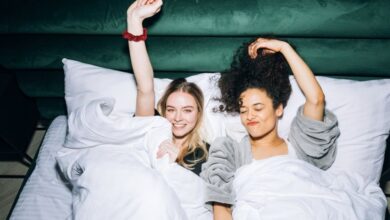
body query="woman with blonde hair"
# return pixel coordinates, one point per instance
(132, 178)
(182, 102)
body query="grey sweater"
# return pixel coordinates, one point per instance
(313, 141)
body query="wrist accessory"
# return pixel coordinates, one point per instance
(130, 37)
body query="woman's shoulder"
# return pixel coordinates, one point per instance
(225, 140)
(224, 144)
(237, 152)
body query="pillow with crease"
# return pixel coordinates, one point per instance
(85, 83)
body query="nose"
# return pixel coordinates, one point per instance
(177, 116)
(250, 115)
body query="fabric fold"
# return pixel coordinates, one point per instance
(306, 133)
(112, 164)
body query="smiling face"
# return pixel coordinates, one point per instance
(182, 111)
(257, 113)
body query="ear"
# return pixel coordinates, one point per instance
(279, 110)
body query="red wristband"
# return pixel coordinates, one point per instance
(126, 35)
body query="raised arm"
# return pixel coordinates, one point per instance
(143, 71)
(315, 98)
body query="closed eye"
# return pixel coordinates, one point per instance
(243, 110)
(188, 109)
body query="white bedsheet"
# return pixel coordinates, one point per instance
(112, 165)
(286, 188)
(46, 195)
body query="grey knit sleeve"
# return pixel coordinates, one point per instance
(218, 171)
(315, 141)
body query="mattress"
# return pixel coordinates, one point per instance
(45, 194)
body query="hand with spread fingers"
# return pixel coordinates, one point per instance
(268, 46)
(168, 147)
(142, 9)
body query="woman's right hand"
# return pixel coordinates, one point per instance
(168, 147)
(269, 46)
(142, 9)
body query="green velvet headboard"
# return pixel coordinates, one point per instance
(345, 38)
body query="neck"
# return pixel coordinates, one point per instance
(270, 139)
(180, 142)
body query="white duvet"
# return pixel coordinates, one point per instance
(285, 188)
(111, 163)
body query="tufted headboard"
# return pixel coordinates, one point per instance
(340, 38)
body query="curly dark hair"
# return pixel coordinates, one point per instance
(268, 72)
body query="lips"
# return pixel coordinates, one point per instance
(179, 126)
(252, 123)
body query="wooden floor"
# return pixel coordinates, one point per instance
(10, 187)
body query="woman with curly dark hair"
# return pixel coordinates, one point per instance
(257, 87)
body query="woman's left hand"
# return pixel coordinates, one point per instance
(142, 9)
(168, 147)
(269, 46)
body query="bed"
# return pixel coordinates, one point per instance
(347, 41)
(45, 195)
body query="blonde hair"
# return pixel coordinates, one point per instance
(194, 138)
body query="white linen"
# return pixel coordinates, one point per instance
(46, 196)
(190, 190)
(363, 129)
(111, 163)
(286, 188)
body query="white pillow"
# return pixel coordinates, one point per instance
(362, 109)
(85, 83)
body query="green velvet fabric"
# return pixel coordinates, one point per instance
(50, 83)
(338, 38)
(194, 54)
(299, 18)
(41, 83)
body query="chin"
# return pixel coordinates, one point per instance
(180, 134)
(253, 133)
(255, 136)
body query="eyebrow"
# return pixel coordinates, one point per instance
(259, 103)
(256, 104)
(187, 106)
